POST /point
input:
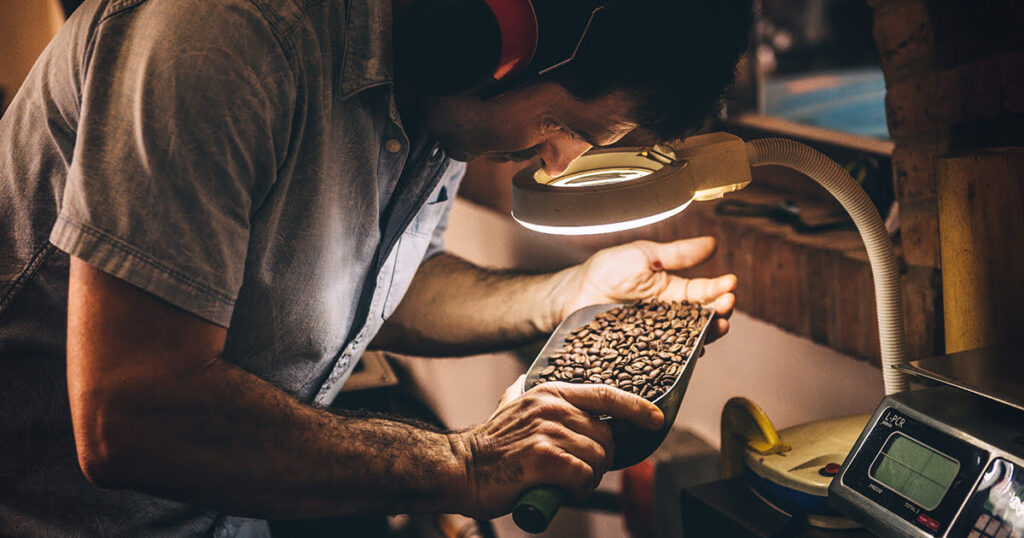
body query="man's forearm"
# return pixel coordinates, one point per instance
(231, 441)
(454, 307)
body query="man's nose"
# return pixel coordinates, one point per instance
(557, 155)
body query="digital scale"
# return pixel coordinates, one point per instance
(946, 460)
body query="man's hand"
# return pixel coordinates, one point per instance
(549, 436)
(642, 270)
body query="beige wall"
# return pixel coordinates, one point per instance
(26, 26)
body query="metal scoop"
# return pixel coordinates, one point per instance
(537, 506)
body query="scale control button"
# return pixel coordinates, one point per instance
(993, 526)
(982, 522)
(974, 534)
(928, 522)
(830, 469)
(1004, 532)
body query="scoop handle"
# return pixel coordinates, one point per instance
(537, 507)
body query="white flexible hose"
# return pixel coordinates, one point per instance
(884, 267)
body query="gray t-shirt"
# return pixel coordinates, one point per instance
(241, 159)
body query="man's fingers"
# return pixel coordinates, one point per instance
(586, 423)
(705, 290)
(724, 305)
(513, 391)
(680, 254)
(592, 444)
(573, 474)
(699, 290)
(606, 400)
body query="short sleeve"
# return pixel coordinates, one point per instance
(185, 116)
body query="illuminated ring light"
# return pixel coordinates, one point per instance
(602, 191)
(600, 176)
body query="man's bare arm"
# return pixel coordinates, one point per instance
(453, 307)
(154, 409)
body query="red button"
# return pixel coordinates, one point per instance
(928, 522)
(830, 469)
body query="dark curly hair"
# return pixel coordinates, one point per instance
(675, 57)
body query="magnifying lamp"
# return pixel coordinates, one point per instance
(607, 190)
(617, 189)
(614, 189)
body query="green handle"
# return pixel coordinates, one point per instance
(535, 508)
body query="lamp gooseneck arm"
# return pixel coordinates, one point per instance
(884, 266)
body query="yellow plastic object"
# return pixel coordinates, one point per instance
(745, 424)
(815, 445)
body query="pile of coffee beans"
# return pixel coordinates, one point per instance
(640, 348)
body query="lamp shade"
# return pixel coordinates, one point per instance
(621, 188)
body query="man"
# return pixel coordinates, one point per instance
(211, 208)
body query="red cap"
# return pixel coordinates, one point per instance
(518, 25)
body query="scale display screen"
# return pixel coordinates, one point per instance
(938, 462)
(916, 472)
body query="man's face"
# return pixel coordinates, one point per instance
(541, 120)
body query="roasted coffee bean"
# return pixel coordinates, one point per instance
(639, 348)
